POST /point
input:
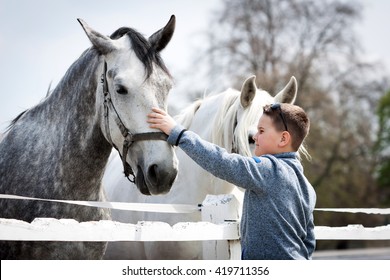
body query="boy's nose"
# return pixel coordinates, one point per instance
(252, 139)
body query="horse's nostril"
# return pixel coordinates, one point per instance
(153, 174)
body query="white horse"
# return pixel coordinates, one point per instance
(228, 119)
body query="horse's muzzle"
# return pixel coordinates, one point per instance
(155, 181)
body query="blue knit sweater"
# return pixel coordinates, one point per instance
(277, 220)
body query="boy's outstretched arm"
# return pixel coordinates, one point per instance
(161, 120)
(230, 167)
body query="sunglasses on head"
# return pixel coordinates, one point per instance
(277, 106)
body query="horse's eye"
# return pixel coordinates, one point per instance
(250, 139)
(120, 89)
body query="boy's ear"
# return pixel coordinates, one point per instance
(285, 139)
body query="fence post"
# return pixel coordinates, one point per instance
(218, 209)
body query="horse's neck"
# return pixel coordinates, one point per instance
(77, 89)
(207, 115)
(67, 124)
(81, 115)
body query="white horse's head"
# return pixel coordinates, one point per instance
(135, 79)
(237, 118)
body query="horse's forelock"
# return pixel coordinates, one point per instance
(142, 48)
(249, 117)
(224, 119)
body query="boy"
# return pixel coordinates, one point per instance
(277, 220)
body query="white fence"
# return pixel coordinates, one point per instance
(219, 228)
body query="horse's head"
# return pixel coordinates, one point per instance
(238, 124)
(135, 79)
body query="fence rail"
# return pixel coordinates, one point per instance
(219, 229)
(48, 229)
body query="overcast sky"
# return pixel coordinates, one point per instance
(40, 39)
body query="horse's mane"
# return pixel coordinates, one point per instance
(142, 48)
(228, 128)
(225, 120)
(14, 121)
(185, 118)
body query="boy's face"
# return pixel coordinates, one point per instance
(267, 138)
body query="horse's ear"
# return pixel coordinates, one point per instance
(288, 93)
(101, 42)
(248, 91)
(160, 39)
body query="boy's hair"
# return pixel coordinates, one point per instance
(291, 118)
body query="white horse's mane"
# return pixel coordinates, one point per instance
(226, 122)
(186, 116)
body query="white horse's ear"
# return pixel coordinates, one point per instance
(248, 91)
(101, 42)
(160, 39)
(288, 93)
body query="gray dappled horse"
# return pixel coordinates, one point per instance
(59, 148)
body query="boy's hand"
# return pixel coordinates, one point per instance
(161, 120)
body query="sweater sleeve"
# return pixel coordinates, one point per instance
(310, 241)
(245, 172)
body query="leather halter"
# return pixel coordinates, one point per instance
(129, 137)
